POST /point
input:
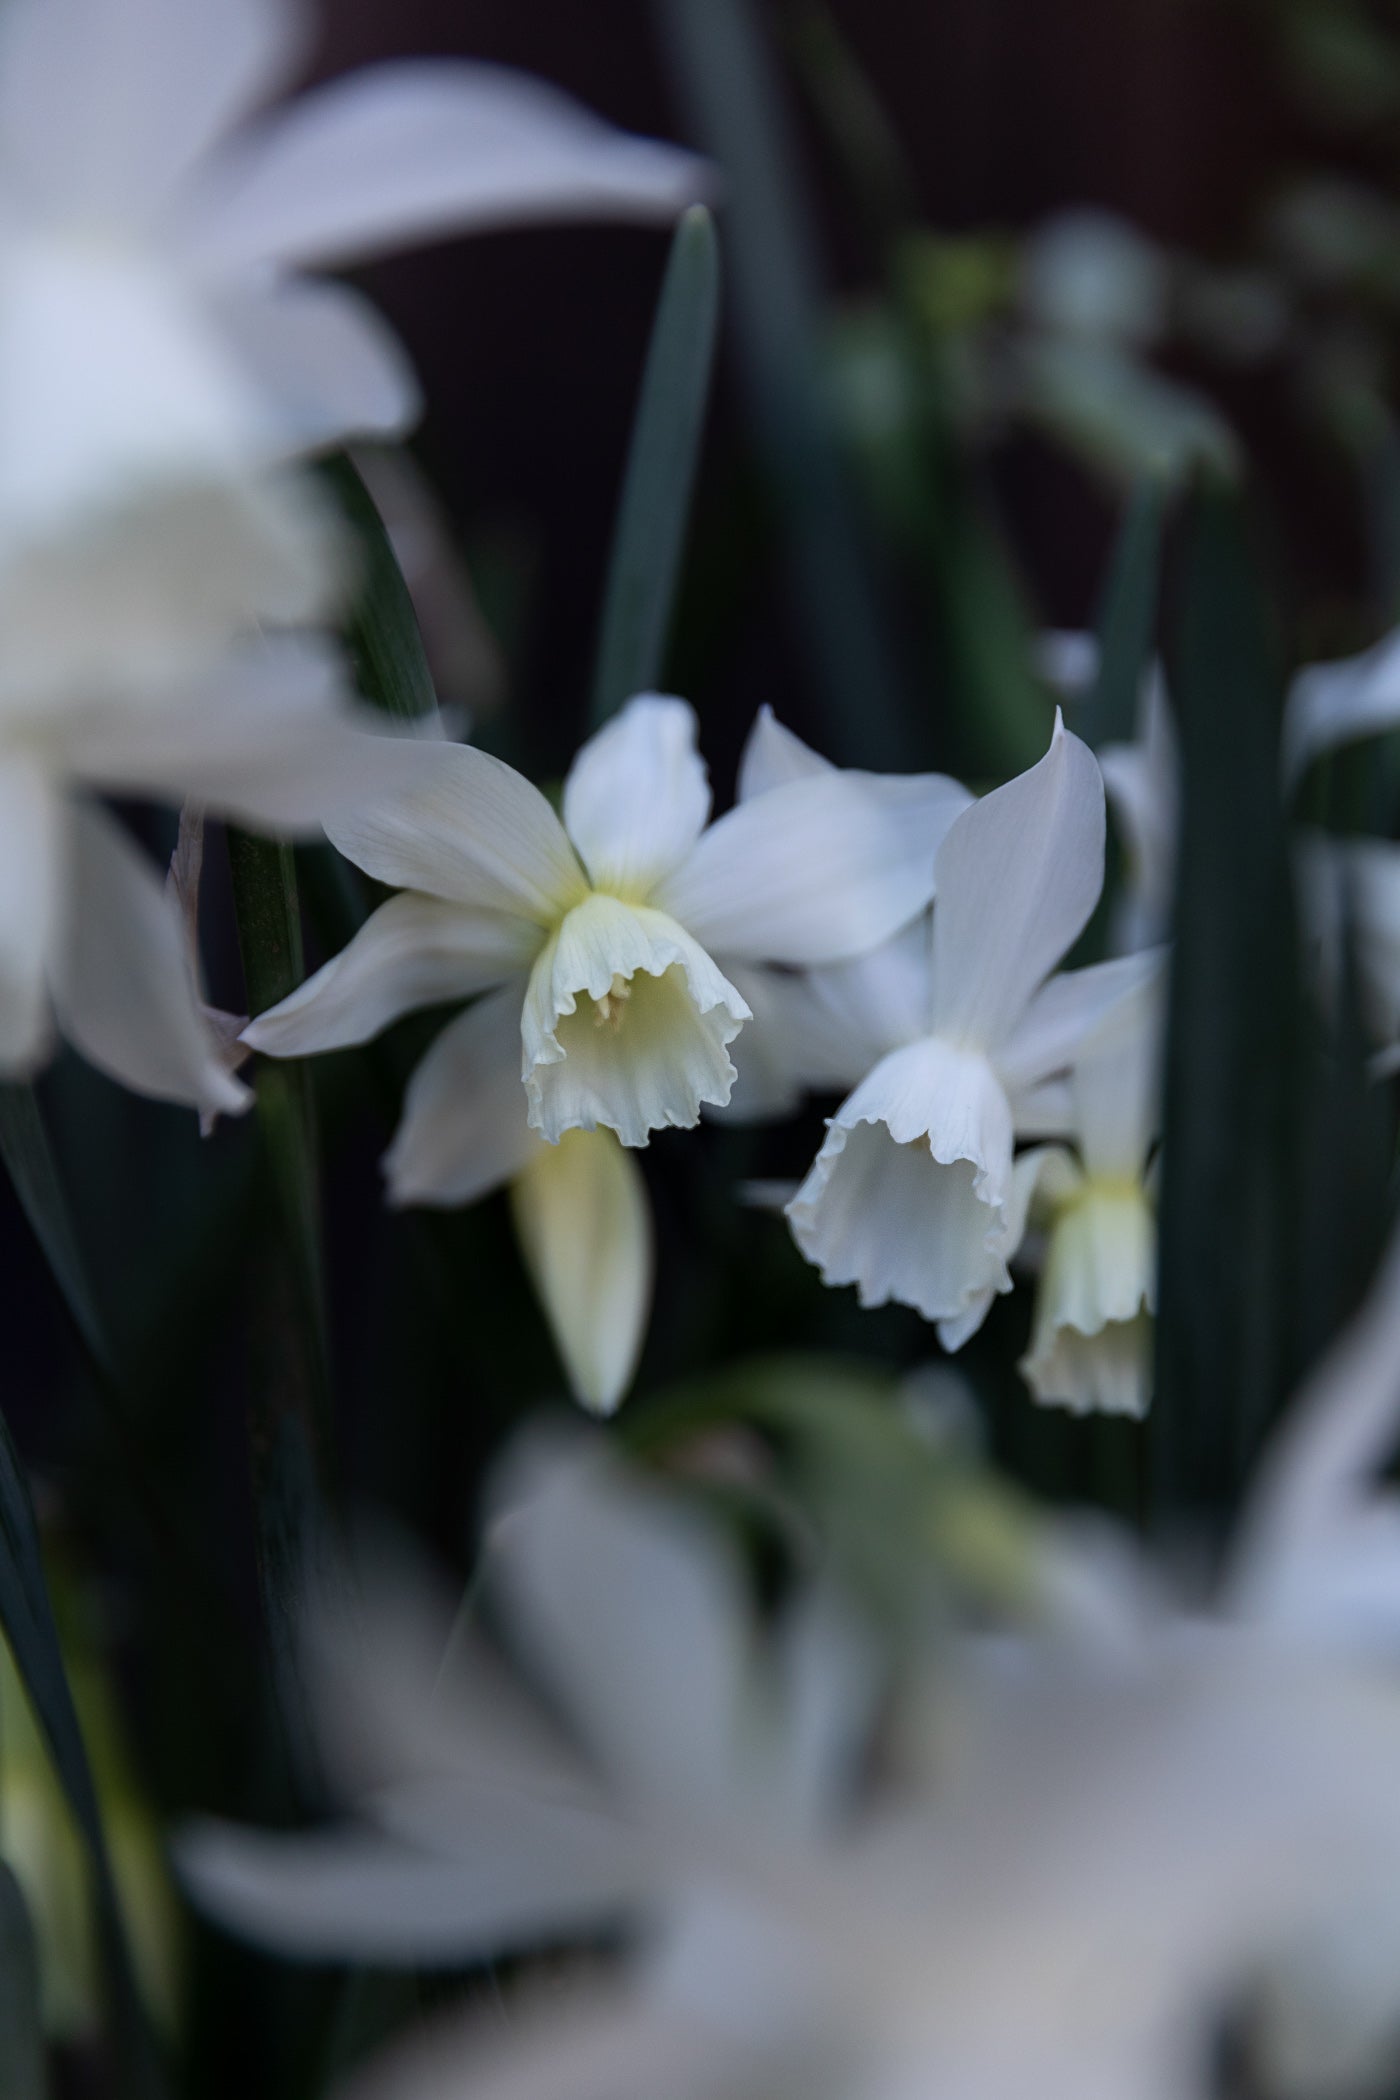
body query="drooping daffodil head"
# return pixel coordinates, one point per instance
(1091, 1338)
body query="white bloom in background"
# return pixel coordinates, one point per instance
(1333, 704)
(1091, 1335)
(160, 343)
(90, 938)
(600, 933)
(912, 1196)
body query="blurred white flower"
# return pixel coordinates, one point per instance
(160, 345)
(1091, 1336)
(90, 938)
(913, 1194)
(1092, 274)
(1333, 704)
(600, 934)
(1079, 1850)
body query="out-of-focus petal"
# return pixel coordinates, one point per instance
(121, 983)
(638, 795)
(907, 1198)
(1091, 1343)
(584, 1225)
(405, 151)
(106, 105)
(1017, 877)
(626, 1024)
(465, 826)
(414, 951)
(328, 367)
(1339, 703)
(33, 906)
(464, 1129)
(815, 871)
(270, 738)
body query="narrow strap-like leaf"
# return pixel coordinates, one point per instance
(28, 1621)
(21, 2028)
(391, 666)
(661, 463)
(29, 1161)
(1127, 619)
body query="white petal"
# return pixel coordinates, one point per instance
(1117, 1085)
(638, 795)
(327, 365)
(121, 982)
(1069, 1009)
(626, 1024)
(105, 105)
(772, 756)
(908, 1197)
(270, 739)
(401, 152)
(1017, 877)
(1142, 781)
(470, 828)
(584, 1225)
(633, 1615)
(1338, 703)
(1091, 1343)
(1028, 1175)
(464, 1129)
(817, 870)
(414, 951)
(603, 2048)
(364, 1895)
(33, 851)
(1068, 659)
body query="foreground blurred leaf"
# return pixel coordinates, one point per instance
(29, 1161)
(1226, 1327)
(656, 492)
(391, 667)
(27, 1617)
(21, 2030)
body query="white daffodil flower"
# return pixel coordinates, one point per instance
(90, 938)
(913, 1196)
(1091, 1335)
(786, 1050)
(161, 345)
(600, 932)
(1073, 1856)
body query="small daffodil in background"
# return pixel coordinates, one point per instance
(1091, 1335)
(914, 1195)
(90, 941)
(163, 350)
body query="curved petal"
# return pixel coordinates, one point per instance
(773, 755)
(1117, 1086)
(817, 870)
(270, 739)
(1338, 703)
(464, 1129)
(327, 366)
(638, 795)
(364, 1895)
(401, 152)
(584, 1225)
(414, 951)
(606, 2047)
(465, 826)
(121, 981)
(105, 105)
(1091, 1343)
(33, 849)
(1069, 1009)
(626, 1024)
(1017, 877)
(908, 1198)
